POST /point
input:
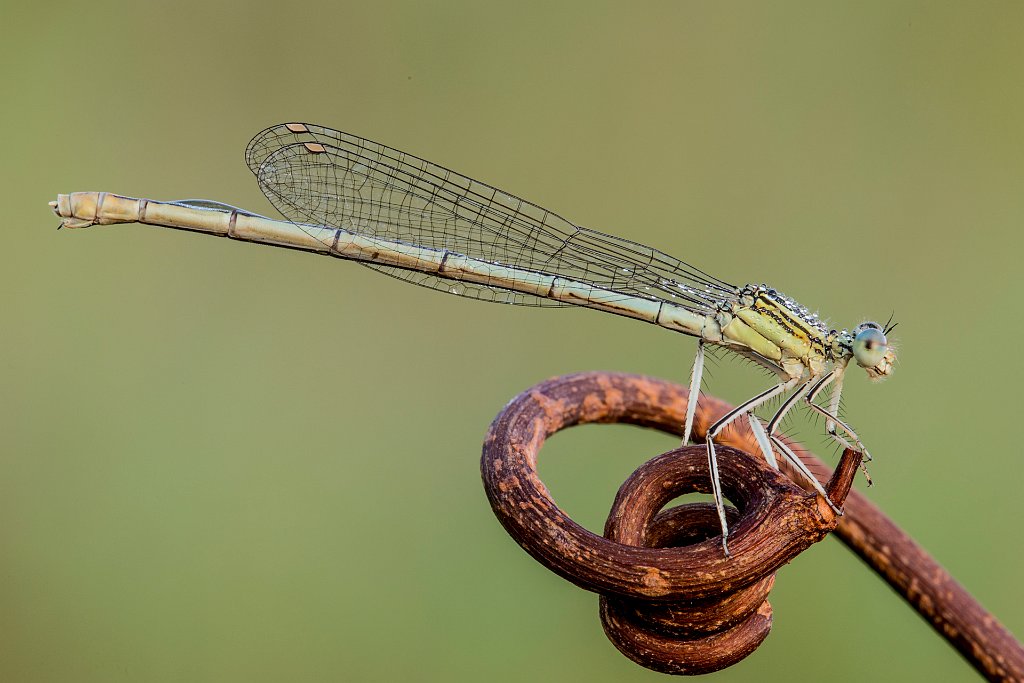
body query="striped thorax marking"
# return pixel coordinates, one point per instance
(776, 327)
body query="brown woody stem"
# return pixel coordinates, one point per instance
(671, 600)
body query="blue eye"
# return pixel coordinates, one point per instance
(869, 347)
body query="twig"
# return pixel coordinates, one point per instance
(688, 609)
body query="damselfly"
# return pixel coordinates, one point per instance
(400, 215)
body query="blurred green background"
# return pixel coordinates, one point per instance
(227, 463)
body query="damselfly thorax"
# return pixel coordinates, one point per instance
(786, 337)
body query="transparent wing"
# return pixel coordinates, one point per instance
(323, 177)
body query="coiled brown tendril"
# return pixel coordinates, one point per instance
(671, 600)
(706, 629)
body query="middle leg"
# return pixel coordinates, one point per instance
(716, 429)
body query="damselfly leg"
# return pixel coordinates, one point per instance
(717, 428)
(691, 401)
(761, 436)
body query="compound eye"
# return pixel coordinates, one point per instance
(869, 347)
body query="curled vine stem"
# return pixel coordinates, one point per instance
(670, 599)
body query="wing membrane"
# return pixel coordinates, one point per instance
(315, 175)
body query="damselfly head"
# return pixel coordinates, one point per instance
(871, 350)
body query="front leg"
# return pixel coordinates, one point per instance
(832, 420)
